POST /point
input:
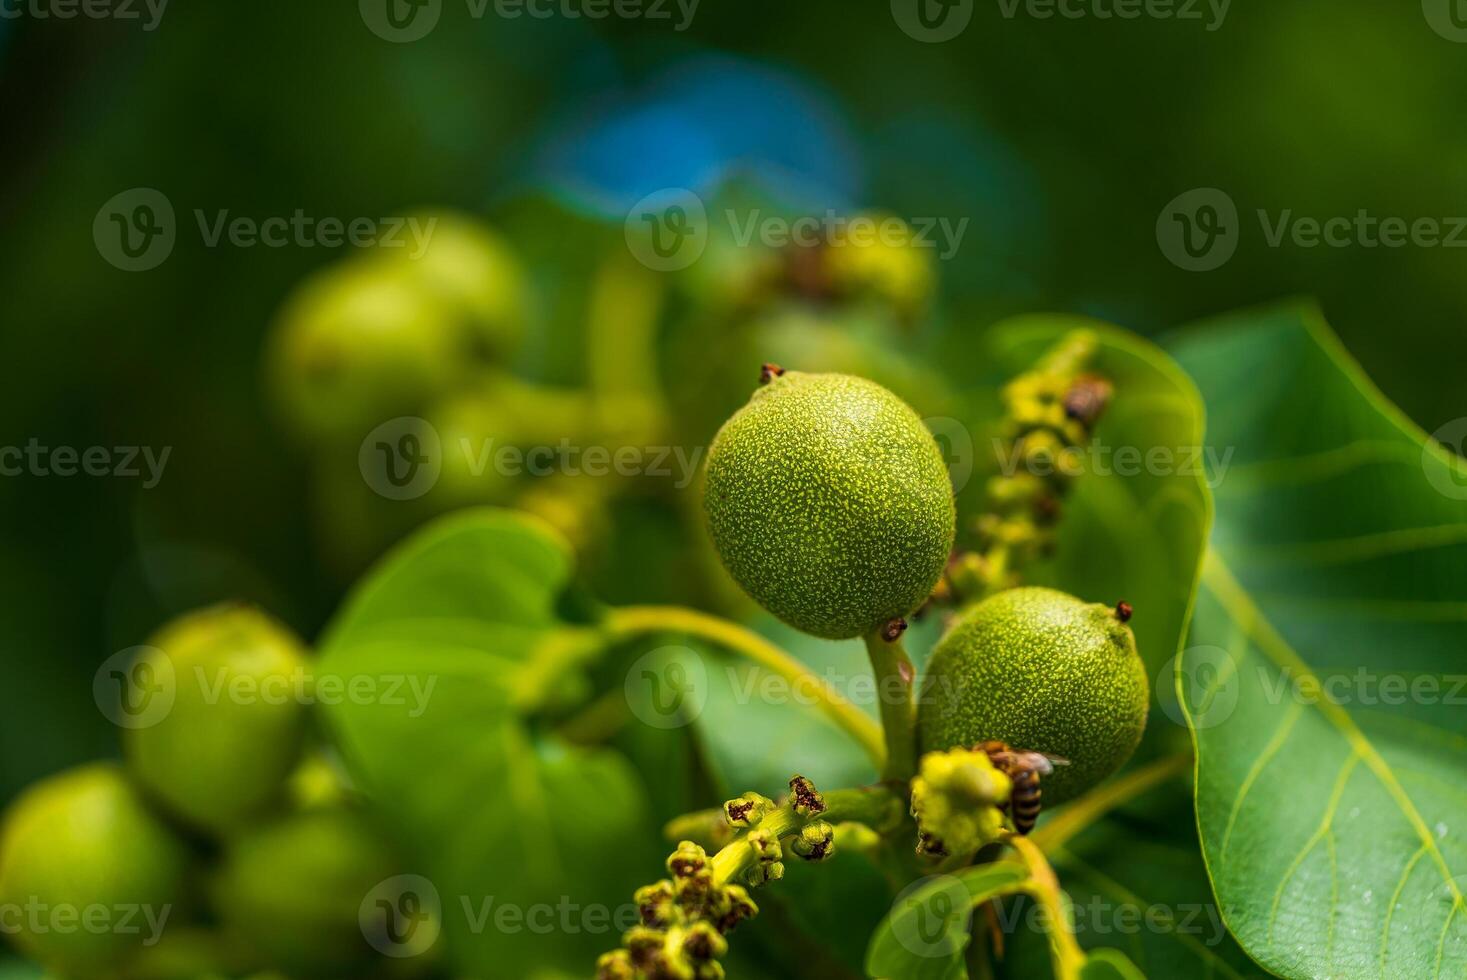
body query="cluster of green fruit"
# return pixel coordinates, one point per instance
(423, 330)
(226, 846)
(829, 502)
(438, 333)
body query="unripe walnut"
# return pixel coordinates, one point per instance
(829, 502)
(1043, 672)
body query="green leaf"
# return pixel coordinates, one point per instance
(1136, 881)
(1331, 822)
(927, 930)
(493, 813)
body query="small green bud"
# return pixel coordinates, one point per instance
(807, 802)
(616, 965)
(766, 846)
(657, 904)
(643, 943)
(747, 810)
(764, 872)
(687, 860)
(712, 970)
(702, 942)
(815, 842)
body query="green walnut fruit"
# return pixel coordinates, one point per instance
(829, 503)
(504, 432)
(358, 344)
(1044, 672)
(77, 851)
(474, 272)
(291, 891)
(221, 754)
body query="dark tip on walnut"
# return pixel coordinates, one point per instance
(893, 630)
(1124, 611)
(768, 372)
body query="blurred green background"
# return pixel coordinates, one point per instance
(1060, 140)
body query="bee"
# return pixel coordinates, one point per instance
(1023, 769)
(1086, 400)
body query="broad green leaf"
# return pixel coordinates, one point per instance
(927, 930)
(1137, 883)
(1318, 678)
(494, 813)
